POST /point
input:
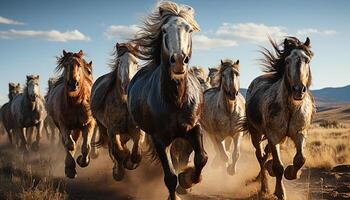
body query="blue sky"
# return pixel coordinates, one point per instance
(32, 33)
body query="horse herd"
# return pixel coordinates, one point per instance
(163, 104)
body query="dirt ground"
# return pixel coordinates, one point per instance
(327, 179)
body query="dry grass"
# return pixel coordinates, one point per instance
(20, 180)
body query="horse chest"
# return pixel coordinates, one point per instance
(76, 116)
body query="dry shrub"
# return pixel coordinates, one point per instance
(330, 124)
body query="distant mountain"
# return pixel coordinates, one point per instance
(326, 97)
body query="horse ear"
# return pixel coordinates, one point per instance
(117, 45)
(64, 52)
(18, 85)
(90, 63)
(161, 11)
(285, 43)
(81, 53)
(37, 77)
(307, 42)
(237, 62)
(221, 62)
(28, 78)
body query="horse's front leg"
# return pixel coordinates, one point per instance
(136, 155)
(119, 153)
(21, 133)
(170, 178)
(231, 169)
(94, 139)
(220, 157)
(39, 128)
(69, 141)
(84, 159)
(193, 175)
(291, 171)
(277, 168)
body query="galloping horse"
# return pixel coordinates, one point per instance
(27, 111)
(109, 107)
(49, 124)
(224, 107)
(280, 105)
(68, 104)
(164, 99)
(5, 112)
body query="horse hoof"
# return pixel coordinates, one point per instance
(181, 190)
(83, 162)
(289, 175)
(128, 164)
(118, 173)
(70, 172)
(35, 146)
(268, 167)
(280, 196)
(185, 178)
(231, 170)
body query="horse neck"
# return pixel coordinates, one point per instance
(116, 84)
(174, 91)
(229, 105)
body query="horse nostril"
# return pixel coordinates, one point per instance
(237, 93)
(303, 89)
(172, 59)
(186, 60)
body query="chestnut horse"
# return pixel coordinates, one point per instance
(68, 104)
(280, 105)
(5, 113)
(164, 99)
(109, 107)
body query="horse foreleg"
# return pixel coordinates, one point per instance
(119, 155)
(193, 175)
(47, 131)
(94, 139)
(277, 168)
(231, 169)
(256, 141)
(219, 150)
(170, 178)
(70, 165)
(23, 140)
(29, 135)
(84, 159)
(39, 128)
(291, 171)
(136, 155)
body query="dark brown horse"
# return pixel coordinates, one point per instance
(5, 112)
(68, 104)
(49, 125)
(109, 107)
(164, 99)
(280, 105)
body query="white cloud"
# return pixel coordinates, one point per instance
(4, 20)
(252, 32)
(203, 42)
(308, 31)
(121, 32)
(52, 35)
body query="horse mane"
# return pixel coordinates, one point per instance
(149, 39)
(201, 71)
(274, 61)
(225, 64)
(52, 81)
(60, 67)
(119, 50)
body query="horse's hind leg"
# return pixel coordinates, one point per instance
(84, 159)
(291, 171)
(170, 178)
(29, 135)
(193, 175)
(94, 139)
(9, 134)
(136, 154)
(39, 128)
(231, 169)
(277, 168)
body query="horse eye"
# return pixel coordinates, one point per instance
(163, 30)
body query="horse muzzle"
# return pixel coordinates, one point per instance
(178, 63)
(73, 85)
(298, 92)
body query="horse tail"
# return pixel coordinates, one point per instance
(100, 132)
(150, 150)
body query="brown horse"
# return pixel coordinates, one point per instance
(28, 112)
(68, 104)
(5, 112)
(280, 105)
(109, 107)
(164, 99)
